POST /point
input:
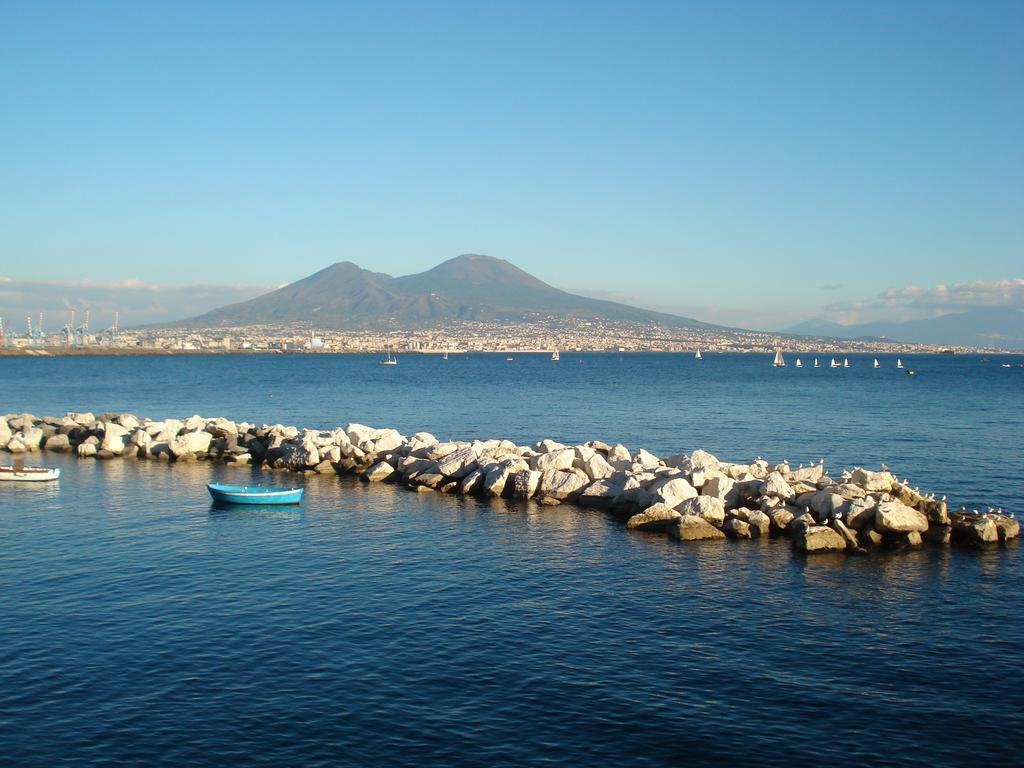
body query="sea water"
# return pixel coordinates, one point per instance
(375, 626)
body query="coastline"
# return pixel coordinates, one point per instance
(159, 351)
(685, 497)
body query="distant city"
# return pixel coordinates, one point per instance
(534, 334)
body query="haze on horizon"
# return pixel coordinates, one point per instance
(747, 164)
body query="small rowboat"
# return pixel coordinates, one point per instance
(21, 474)
(254, 494)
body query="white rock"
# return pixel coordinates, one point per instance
(559, 458)
(358, 433)
(654, 518)
(379, 471)
(693, 528)
(718, 487)
(113, 438)
(818, 538)
(495, 480)
(860, 514)
(190, 443)
(619, 452)
(671, 491)
(775, 485)
(737, 529)
(707, 507)
(894, 517)
(58, 444)
(195, 422)
(525, 483)
(872, 481)
(560, 485)
(701, 459)
(600, 494)
(597, 467)
(458, 463)
(547, 446)
(389, 440)
(472, 482)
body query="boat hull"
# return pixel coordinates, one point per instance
(248, 494)
(28, 475)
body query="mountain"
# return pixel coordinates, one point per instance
(988, 327)
(468, 287)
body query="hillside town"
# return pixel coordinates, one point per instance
(533, 334)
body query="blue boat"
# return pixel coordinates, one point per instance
(254, 494)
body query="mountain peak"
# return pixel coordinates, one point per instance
(471, 286)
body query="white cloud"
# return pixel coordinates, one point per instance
(914, 302)
(979, 293)
(137, 302)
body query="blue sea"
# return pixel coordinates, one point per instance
(375, 626)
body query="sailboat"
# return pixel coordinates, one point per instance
(816, 363)
(390, 358)
(846, 362)
(875, 364)
(833, 364)
(798, 363)
(698, 356)
(445, 355)
(555, 355)
(778, 362)
(899, 363)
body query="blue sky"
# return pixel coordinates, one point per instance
(741, 162)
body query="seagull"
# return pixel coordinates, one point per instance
(943, 498)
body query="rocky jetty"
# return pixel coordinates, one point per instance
(686, 497)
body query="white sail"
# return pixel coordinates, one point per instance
(833, 364)
(899, 363)
(698, 356)
(846, 362)
(876, 363)
(816, 363)
(555, 355)
(390, 358)
(798, 363)
(779, 361)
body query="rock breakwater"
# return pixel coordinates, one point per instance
(686, 497)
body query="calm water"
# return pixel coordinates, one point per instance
(381, 627)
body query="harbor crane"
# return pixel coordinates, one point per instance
(82, 331)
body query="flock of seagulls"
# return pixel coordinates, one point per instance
(987, 513)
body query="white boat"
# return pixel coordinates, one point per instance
(779, 361)
(798, 363)
(390, 358)
(899, 363)
(508, 359)
(833, 364)
(846, 362)
(19, 473)
(445, 355)
(698, 356)
(816, 363)
(876, 365)
(555, 355)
